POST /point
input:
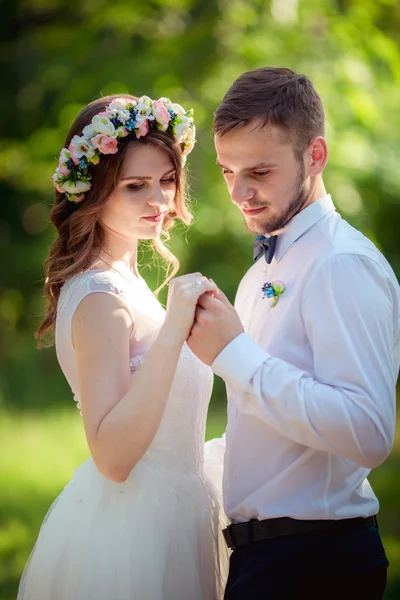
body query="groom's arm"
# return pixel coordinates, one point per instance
(347, 408)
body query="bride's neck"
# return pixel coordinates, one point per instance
(118, 250)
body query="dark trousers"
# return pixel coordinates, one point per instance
(314, 566)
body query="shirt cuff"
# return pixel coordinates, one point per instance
(239, 360)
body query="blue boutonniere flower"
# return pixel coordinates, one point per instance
(273, 290)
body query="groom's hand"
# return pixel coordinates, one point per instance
(216, 324)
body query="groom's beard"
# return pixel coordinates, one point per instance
(276, 222)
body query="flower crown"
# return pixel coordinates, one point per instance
(120, 118)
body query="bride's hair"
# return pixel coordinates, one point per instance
(79, 232)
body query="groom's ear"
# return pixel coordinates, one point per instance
(317, 155)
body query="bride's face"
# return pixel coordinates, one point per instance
(145, 191)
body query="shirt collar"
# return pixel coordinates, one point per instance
(301, 223)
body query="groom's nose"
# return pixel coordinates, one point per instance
(241, 192)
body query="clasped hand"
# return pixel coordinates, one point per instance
(215, 325)
(198, 312)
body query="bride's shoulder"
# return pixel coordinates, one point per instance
(96, 278)
(92, 280)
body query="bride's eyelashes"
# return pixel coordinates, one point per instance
(135, 187)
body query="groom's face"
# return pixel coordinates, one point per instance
(265, 179)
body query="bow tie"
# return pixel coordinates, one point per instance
(265, 245)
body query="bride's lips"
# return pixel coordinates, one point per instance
(251, 212)
(154, 218)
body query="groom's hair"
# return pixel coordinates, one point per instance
(275, 96)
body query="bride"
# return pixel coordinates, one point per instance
(139, 519)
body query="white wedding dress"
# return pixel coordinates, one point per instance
(156, 536)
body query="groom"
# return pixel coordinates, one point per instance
(309, 354)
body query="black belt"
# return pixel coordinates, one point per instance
(243, 534)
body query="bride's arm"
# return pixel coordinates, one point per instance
(121, 417)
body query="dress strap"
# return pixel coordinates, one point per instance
(89, 282)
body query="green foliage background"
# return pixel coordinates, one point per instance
(57, 55)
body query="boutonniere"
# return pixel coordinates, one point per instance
(273, 290)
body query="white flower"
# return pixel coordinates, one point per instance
(122, 114)
(119, 104)
(190, 134)
(146, 101)
(144, 108)
(76, 187)
(181, 127)
(80, 146)
(165, 101)
(88, 132)
(103, 125)
(189, 140)
(177, 108)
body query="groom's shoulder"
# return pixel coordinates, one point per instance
(336, 247)
(337, 238)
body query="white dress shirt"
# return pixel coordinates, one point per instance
(312, 382)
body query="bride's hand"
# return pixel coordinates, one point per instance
(183, 295)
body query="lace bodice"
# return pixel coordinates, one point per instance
(180, 439)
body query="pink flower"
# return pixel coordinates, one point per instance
(71, 151)
(161, 114)
(56, 185)
(188, 148)
(62, 162)
(78, 198)
(63, 170)
(106, 113)
(143, 128)
(105, 144)
(122, 132)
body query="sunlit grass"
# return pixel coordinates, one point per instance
(39, 453)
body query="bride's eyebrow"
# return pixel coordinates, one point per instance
(135, 177)
(170, 172)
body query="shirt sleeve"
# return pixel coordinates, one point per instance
(347, 406)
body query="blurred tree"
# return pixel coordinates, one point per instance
(57, 55)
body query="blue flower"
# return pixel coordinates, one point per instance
(130, 125)
(270, 292)
(273, 290)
